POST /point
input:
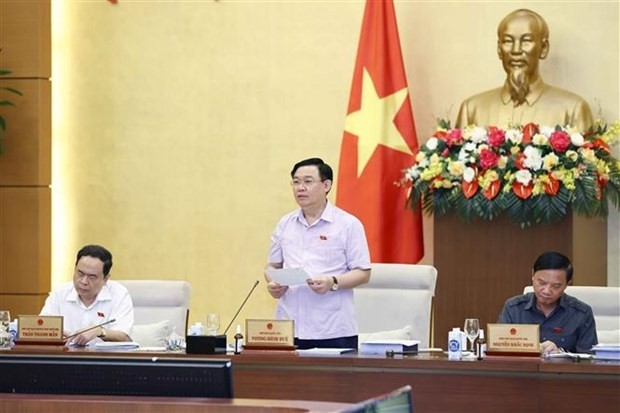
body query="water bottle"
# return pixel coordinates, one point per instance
(13, 329)
(238, 340)
(481, 345)
(454, 344)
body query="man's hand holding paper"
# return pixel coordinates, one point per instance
(288, 276)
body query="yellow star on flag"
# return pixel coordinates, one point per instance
(373, 124)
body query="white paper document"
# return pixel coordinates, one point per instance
(288, 276)
(116, 345)
(326, 351)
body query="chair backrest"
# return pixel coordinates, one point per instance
(605, 303)
(397, 295)
(158, 300)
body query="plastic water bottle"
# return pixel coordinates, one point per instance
(13, 329)
(454, 344)
(481, 345)
(238, 340)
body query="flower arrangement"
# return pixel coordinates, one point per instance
(533, 173)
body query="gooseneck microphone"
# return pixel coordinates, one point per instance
(242, 304)
(89, 328)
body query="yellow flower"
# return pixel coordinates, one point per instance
(588, 154)
(550, 160)
(540, 139)
(502, 162)
(431, 172)
(456, 168)
(420, 157)
(572, 155)
(488, 178)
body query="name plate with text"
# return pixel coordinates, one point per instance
(269, 334)
(40, 328)
(513, 338)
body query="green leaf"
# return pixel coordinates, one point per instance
(13, 90)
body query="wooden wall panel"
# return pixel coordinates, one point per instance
(482, 264)
(22, 304)
(25, 238)
(25, 33)
(25, 167)
(27, 145)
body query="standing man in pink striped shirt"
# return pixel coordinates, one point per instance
(330, 245)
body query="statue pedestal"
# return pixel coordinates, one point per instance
(483, 263)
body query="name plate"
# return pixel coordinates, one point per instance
(269, 333)
(40, 328)
(513, 338)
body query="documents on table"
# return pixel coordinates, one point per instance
(561, 353)
(116, 345)
(326, 351)
(288, 276)
(605, 351)
(380, 347)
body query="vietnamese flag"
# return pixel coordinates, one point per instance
(379, 141)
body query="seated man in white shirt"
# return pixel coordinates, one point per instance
(92, 299)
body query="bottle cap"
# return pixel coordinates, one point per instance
(238, 328)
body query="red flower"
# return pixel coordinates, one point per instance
(488, 159)
(598, 143)
(519, 161)
(552, 187)
(454, 137)
(496, 137)
(522, 191)
(529, 130)
(560, 141)
(470, 188)
(492, 191)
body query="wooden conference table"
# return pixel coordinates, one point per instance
(495, 384)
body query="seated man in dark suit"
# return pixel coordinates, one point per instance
(565, 322)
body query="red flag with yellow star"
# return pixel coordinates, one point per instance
(379, 141)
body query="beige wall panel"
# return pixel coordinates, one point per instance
(27, 144)
(176, 123)
(22, 304)
(25, 28)
(25, 240)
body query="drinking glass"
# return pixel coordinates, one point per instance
(5, 319)
(6, 338)
(213, 323)
(472, 329)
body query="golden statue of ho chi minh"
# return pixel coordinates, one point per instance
(522, 41)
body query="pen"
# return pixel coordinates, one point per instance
(89, 328)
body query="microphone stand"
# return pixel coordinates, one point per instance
(241, 306)
(89, 328)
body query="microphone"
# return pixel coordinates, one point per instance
(89, 328)
(242, 304)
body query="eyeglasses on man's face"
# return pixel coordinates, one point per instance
(306, 183)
